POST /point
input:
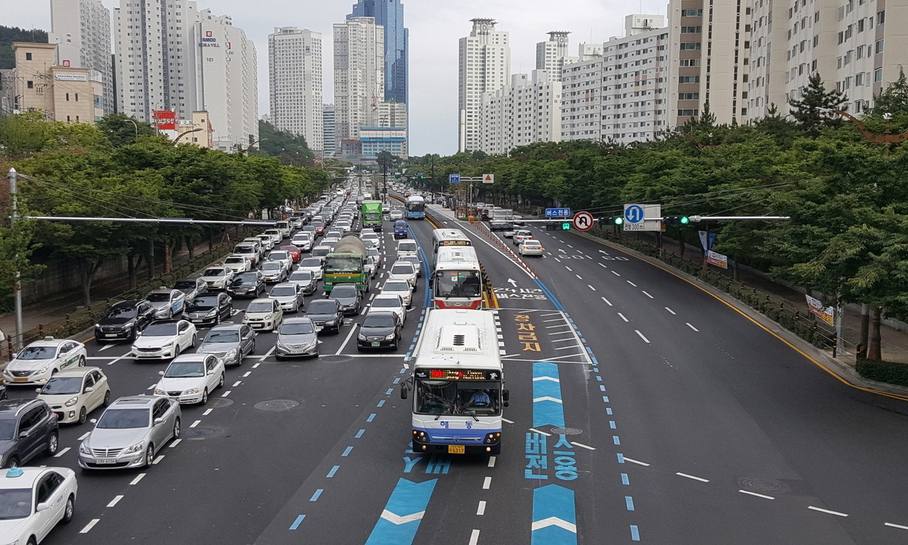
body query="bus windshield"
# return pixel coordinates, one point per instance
(458, 398)
(458, 284)
(343, 264)
(416, 206)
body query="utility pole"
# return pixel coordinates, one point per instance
(14, 206)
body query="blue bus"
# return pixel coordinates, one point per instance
(416, 207)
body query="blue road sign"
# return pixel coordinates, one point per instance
(454, 178)
(633, 213)
(558, 213)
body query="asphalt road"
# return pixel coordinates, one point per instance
(641, 410)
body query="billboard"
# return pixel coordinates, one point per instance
(165, 120)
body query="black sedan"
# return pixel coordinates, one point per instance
(326, 315)
(123, 319)
(348, 297)
(379, 330)
(209, 309)
(248, 284)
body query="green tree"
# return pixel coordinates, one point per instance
(121, 129)
(287, 147)
(817, 107)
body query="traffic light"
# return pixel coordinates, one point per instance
(619, 220)
(676, 220)
(566, 226)
(684, 220)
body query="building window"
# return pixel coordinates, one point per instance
(67, 97)
(878, 74)
(30, 84)
(28, 56)
(879, 47)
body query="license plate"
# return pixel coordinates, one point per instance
(110, 334)
(20, 379)
(375, 344)
(105, 461)
(457, 449)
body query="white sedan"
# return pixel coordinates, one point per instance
(35, 363)
(34, 500)
(237, 264)
(190, 378)
(217, 278)
(403, 270)
(313, 265)
(530, 246)
(74, 393)
(164, 340)
(398, 287)
(390, 302)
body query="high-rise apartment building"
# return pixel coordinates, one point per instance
(552, 54)
(484, 67)
(226, 80)
(328, 130)
(392, 114)
(709, 46)
(155, 57)
(581, 98)
(389, 14)
(295, 76)
(359, 76)
(525, 112)
(81, 31)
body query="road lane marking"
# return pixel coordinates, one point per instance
(158, 459)
(637, 331)
(256, 364)
(297, 521)
(115, 500)
(692, 327)
(568, 268)
(105, 347)
(481, 508)
(556, 259)
(563, 340)
(207, 412)
(590, 286)
(616, 273)
(670, 311)
(581, 445)
(556, 326)
(631, 283)
(646, 293)
(638, 462)
(347, 451)
(246, 374)
(635, 533)
(487, 483)
(693, 477)
(84, 435)
(892, 525)
(237, 383)
(138, 478)
(316, 495)
(567, 347)
(493, 459)
(91, 524)
(540, 432)
(196, 423)
(176, 442)
(332, 472)
(553, 320)
(749, 493)
(474, 536)
(344, 344)
(578, 277)
(61, 453)
(827, 511)
(607, 302)
(227, 393)
(629, 503)
(623, 317)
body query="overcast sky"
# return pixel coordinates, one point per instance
(435, 27)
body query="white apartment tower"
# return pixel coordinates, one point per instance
(81, 30)
(581, 98)
(328, 130)
(523, 113)
(484, 67)
(552, 54)
(709, 45)
(295, 77)
(226, 80)
(154, 57)
(359, 75)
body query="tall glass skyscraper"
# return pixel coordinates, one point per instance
(390, 14)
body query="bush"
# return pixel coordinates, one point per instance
(883, 371)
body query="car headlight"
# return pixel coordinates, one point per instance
(83, 448)
(390, 337)
(71, 401)
(332, 322)
(361, 337)
(138, 447)
(230, 355)
(211, 313)
(159, 392)
(97, 325)
(192, 391)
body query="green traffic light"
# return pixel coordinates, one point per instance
(566, 226)
(685, 220)
(619, 220)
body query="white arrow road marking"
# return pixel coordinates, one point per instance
(551, 379)
(512, 282)
(554, 521)
(547, 398)
(394, 518)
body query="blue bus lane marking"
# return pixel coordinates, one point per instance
(554, 513)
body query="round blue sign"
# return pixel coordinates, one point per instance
(634, 214)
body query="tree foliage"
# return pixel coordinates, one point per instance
(289, 148)
(817, 107)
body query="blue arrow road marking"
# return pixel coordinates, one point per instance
(547, 401)
(400, 518)
(554, 517)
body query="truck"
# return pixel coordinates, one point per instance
(346, 265)
(371, 214)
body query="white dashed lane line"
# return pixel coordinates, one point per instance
(607, 302)
(692, 327)
(136, 480)
(827, 511)
(637, 331)
(631, 283)
(91, 524)
(692, 477)
(487, 483)
(590, 286)
(756, 495)
(623, 317)
(481, 508)
(670, 311)
(616, 273)
(61, 453)
(115, 500)
(647, 294)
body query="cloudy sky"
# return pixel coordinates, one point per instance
(435, 26)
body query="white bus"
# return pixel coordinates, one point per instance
(458, 384)
(457, 278)
(449, 237)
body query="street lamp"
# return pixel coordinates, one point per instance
(184, 133)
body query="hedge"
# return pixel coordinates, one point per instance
(883, 371)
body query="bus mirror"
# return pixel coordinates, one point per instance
(403, 391)
(506, 396)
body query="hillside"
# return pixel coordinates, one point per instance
(8, 35)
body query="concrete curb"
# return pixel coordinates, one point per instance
(842, 371)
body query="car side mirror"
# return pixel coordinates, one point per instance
(404, 391)
(38, 390)
(161, 373)
(13, 355)
(159, 420)
(506, 396)
(89, 389)
(23, 435)
(43, 506)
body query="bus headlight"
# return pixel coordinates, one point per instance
(492, 438)
(420, 435)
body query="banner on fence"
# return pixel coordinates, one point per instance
(707, 240)
(716, 259)
(827, 314)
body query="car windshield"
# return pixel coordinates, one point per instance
(247, 278)
(37, 353)
(373, 252)
(300, 328)
(123, 312)
(260, 306)
(396, 286)
(244, 249)
(344, 291)
(220, 337)
(402, 269)
(15, 503)
(62, 385)
(185, 369)
(213, 272)
(379, 319)
(323, 306)
(278, 255)
(385, 302)
(206, 302)
(272, 266)
(531, 243)
(321, 250)
(283, 291)
(158, 297)
(160, 330)
(301, 276)
(184, 285)
(121, 419)
(406, 247)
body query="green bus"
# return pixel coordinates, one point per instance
(346, 265)
(371, 214)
